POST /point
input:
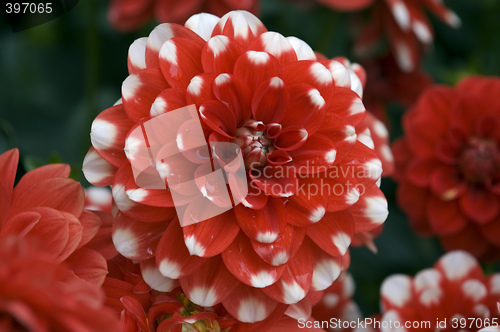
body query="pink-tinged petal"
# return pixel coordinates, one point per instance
(268, 101)
(172, 256)
(333, 233)
(370, 211)
(212, 236)
(347, 105)
(155, 279)
(160, 35)
(88, 265)
(317, 154)
(40, 174)
(276, 45)
(312, 73)
(285, 246)
(203, 24)
(62, 194)
(396, 291)
(168, 100)
(469, 239)
(91, 222)
(241, 26)
(134, 308)
(296, 280)
(97, 170)
(300, 310)
(139, 91)
(5, 198)
(446, 182)
(445, 217)
(249, 305)
(20, 224)
(102, 241)
(218, 117)
(255, 67)
(200, 89)
(8, 167)
(290, 139)
(275, 182)
(136, 60)
(305, 109)
(326, 268)
(247, 266)
(263, 225)
(219, 55)
(341, 132)
(210, 284)
(180, 61)
(235, 94)
(134, 239)
(479, 205)
(459, 266)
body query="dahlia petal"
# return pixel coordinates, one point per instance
(459, 266)
(256, 199)
(36, 176)
(263, 225)
(91, 223)
(177, 72)
(200, 89)
(139, 91)
(20, 224)
(326, 268)
(168, 100)
(418, 170)
(333, 233)
(172, 256)
(136, 60)
(134, 239)
(88, 265)
(370, 211)
(210, 284)
(396, 291)
(304, 97)
(8, 168)
(491, 231)
(97, 170)
(312, 73)
(255, 67)
(218, 117)
(316, 155)
(155, 279)
(290, 139)
(102, 241)
(341, 76)
(469, 239)
(235, 94)
(301, 48)
(268, 101)
(241, 26)
(203, 24)
(479, 205)
(5, 198)
(249, 305)
(364, 163)
(281, 250)
(134, 308)
(242, 261)
(296, 279)
(342, 188)
(212, 236)
(447, 183)
(301, 310)
(276, 45)
(219, 55)
(163, 33)
(445, 217)
(341, 132)
(347, 105)
(275, 182)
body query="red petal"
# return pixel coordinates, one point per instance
(276, 45)
(219, 55)
(134, 308)
(200, 89)
(446, 182)
(459, 266)
(491, 231)
(235, 94)
(333, 233)
(241, 26)
(210, 284)
(419, 169)
(134, 239)
(40, 174)
(254, 67)
(88, 265)
(308, 205)
(480, 205)
(136, 60)
(306, 108)
(341, 132)
(97, 170)
(249, 305)
(263, 225)
(155, 279)
(91, 223)
(290, 139)
(168, 100)
(326, 268)
(180, 61)
(445, 217)
(8, 168)
(347, 105)
(172, 256)
(20, 224)
(317, 154)
(268, 101)
(468, 239)
(247, 266)
(370, 211)
(275, 182)
(218, 117)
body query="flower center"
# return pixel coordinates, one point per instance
(480, 160)
(255, 143)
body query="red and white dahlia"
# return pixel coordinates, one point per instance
(455, 293)
(311, 183)
(448, 166)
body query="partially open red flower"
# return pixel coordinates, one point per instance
(448, 166)
(311, 183)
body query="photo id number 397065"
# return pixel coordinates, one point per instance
(28, 7)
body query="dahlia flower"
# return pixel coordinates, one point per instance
(453, 295)
(292, 119)
(448, 166)
(98, 199)
(128, 15)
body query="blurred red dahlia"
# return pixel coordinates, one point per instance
(311, 183)
(448, 166)
(454, 292)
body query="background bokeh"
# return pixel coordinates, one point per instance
(56, 77)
